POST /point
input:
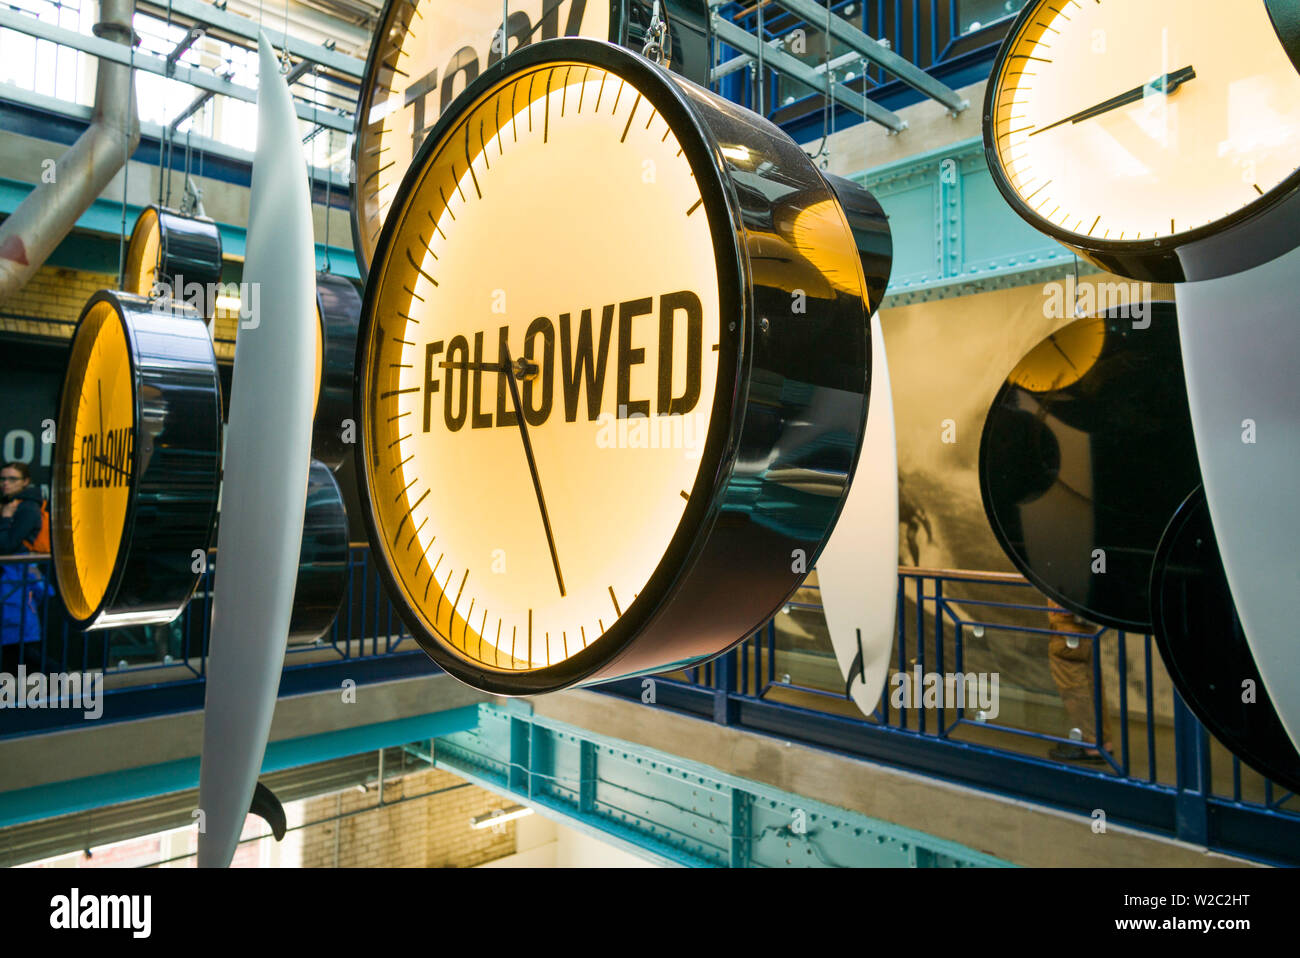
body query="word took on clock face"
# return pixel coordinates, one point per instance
(571, 358)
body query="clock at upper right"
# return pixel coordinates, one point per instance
(1159, 139)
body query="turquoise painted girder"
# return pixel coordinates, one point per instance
(128, 785)
(105, 217)
(953, 232)
(674, 810)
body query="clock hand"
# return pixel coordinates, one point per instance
(1166, 84)
(99, 384)
(104, 462)
(1057, 347)
(528, 452)
(521, 367)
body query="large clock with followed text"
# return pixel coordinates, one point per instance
(1159, 139)
(425, 52)
(137, 461)
(611, 375)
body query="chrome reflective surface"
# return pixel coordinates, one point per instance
(177, 462)
(339, 304)
(323, 561)
(1205, 650)
(189, 258)
(1080, 480)
(871, 234)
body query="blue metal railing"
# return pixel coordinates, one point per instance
(1167, 775)
(1184, 784)
(150, 670)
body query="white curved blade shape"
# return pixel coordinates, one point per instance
(268, 453)
(1240, 339)
(858, 569)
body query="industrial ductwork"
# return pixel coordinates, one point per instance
(49, 212)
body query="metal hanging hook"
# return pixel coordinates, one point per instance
(658, 46)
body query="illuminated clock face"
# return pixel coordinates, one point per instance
(97, 459)
(142, 254)
(1143, 121)
(539, 363)
(425, 53)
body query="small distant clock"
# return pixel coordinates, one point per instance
(137, 461)
(425, 52)
(182, 253)
(612, 373)
(338, 308)
(1159, 139)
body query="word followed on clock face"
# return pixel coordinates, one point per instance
(106, 459)
(567, 364)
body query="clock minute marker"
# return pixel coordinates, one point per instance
(472, 175)
(414, 535)
(615, 600)
(546, 110)
(431, 577)
(442, 595)
(636, 103)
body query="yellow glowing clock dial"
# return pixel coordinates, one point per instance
(425, 53)
(1063, 358)
(319, 367)
(98, 459)
(557, 222)
(1142, 120)
(142, 254)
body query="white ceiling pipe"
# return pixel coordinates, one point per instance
(68, 186)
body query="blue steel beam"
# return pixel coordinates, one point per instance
(953, 232)
(674, 810)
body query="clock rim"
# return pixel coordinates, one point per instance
(1262, 230)
(718, 456)
(145, 478)
(115, 300)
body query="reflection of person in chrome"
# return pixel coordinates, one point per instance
(1070, 660)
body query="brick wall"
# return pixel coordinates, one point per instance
(424, 832)
(53, 293)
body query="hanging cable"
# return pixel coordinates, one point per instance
(126, 165)
(329, 176)
(828, 101)
(762, 42)
(162, 143)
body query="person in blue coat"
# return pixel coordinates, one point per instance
(20, 583)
